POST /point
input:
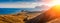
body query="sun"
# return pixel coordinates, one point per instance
(55, 2)
(56, 5)
(55, 8)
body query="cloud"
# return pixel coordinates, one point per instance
(19, 3)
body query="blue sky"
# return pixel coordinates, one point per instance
(19, 0)
(19, 3)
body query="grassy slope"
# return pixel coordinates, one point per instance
(16, 18)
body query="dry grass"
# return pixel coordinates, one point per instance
(12, 18)
(16, 18)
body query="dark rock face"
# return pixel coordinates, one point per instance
(39, 19)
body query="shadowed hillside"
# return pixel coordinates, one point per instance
(50, 16)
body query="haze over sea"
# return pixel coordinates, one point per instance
(16, 10)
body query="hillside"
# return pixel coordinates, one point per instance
(17, 18)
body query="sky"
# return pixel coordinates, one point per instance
(19, 3)
(19, 0)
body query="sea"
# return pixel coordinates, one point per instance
(16, 10)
